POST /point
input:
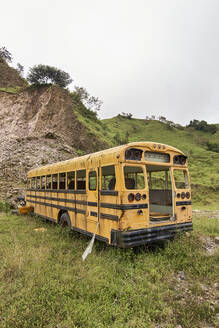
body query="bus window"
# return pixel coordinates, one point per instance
(134, 177)
(81, 180)
(62, 180)
(43, 182)
(71, 180)
(92, 180)
(181, 179)
(33, 183)
(48, 182)
(108, 180)
(54, 181)
(38, 183)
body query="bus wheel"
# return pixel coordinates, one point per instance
(65, 221)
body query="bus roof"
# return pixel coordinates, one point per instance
(110, 154)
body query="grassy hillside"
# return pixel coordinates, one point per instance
(203, 164)
(44, 283)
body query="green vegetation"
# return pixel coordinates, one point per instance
(44, 283)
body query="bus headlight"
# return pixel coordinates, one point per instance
(183, 195)
(144, 196)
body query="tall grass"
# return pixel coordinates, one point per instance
(44, 283)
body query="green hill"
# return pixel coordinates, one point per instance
(203, 163)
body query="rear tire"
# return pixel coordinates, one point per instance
(65, 221)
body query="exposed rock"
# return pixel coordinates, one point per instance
(9, 77)
(37, 126)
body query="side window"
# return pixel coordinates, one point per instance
(54, 181)
(181, 179)
(134, 177)
(62, 180)
(43, 182)
(33, 183)
(38, 183)
(81, 180)
(108, 179)
(71, 180)
(48, 182)
(92, 180)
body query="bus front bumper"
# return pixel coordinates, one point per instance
(139, 237)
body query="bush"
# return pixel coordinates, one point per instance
(213, 147)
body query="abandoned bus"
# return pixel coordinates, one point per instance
(133, 194)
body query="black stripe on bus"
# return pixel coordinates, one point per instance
(76, 210)
(72, 201)
(59, 191)
(186, 202)
(109, 217)
(109, 193)
(103, 205)
(93, 213)
(123, 206)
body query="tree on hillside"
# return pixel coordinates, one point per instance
(20, 69)
(91, 102)
(5, 54)
(43, 74)
(203, 126)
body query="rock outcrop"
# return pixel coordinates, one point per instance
(37, 126)
(9, 77)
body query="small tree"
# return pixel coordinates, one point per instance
(20, 68)
(5, 54)
(43, 74)
(91, 102)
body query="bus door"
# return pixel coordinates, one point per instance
(182, 199)
(92, 197)
(161, 207)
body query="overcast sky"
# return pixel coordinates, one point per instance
(146, 57)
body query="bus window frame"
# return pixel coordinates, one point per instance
(136, 164)
(116, 177)
(67, 183)
(88, 179)
(187, 174)
(76, 179)
(60, 176)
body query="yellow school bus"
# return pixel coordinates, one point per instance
(132, 194)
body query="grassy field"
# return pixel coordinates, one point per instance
(44, 283)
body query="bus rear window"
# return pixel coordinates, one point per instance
(134, 177)
(151, 156)
(181, 179)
